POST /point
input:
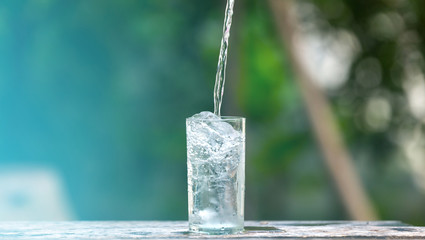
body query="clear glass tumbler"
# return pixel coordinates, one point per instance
(216, 174)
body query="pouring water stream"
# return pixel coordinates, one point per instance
(220, 78)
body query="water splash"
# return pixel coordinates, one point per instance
(220, 77)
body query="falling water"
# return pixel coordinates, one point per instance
(222, 60)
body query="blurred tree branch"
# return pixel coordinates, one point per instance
(335, 153)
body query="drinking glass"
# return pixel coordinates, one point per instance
(216, 174)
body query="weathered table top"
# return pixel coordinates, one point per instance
(179, 230)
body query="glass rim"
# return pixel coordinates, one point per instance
(222, 118)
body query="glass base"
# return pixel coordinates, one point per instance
(216, 230)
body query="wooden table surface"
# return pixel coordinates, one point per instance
(179, 230)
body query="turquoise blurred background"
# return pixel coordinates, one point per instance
(94, 96)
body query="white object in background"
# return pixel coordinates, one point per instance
(32, 194)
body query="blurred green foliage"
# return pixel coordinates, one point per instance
(390, 35)
(99, 90)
